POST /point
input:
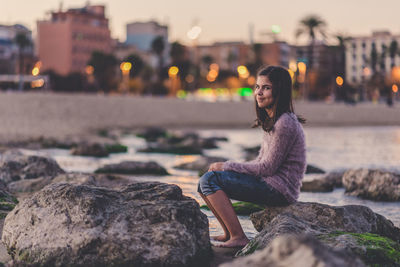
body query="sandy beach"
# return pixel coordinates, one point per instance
(30, 115)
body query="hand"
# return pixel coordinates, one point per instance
(216, 166)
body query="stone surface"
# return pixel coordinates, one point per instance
(133, 167)
(202, 163)
(97, 149)
(323, 183)
(302, 250)
(142, 224)
(315, 219)
(16, 165)
(102, 180)
(241, 207)
(372, 184)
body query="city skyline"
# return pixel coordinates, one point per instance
(219, 24)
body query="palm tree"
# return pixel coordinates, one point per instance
(343, 40)
(374, 58)
(393, 48)
(22, 42)
(311, 26)
(158, 46)
(383, 58)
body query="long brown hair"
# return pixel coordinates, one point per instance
(282, 95)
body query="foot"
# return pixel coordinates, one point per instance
(234, 243)
(219, 238)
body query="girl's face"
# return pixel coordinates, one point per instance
(263, 92)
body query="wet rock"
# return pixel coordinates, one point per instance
(372, 184)
(373, 249)
(315, 219)
(184, 147)
(313, 169)
(7, 200)
(97, 149)
(300, 250)
(151, 134)
(133, 167)
(101, 180)
(15, 165)
(242, 208)
(201, 163)
(143, 224)
(251, 152)
(323, 183)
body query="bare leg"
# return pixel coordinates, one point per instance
(223, 208)
(226, 235)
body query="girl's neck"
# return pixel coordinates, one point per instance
(270, 112)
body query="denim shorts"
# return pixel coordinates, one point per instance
(239, 186)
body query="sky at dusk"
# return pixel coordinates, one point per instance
(223, 20)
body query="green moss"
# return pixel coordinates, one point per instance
(242, 208)
(116, 148)
(380, 251)
(3, 215)
(6, 206)
(102, 132)
(250, 248)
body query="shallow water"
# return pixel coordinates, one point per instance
(327, 148)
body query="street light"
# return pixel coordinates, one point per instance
(339, 81)
(173, 79)
(125, 68)
(302, 67)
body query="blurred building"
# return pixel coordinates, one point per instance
(9, 50)
(67, 40)
(228, 55)
(368, 54)
(276, 53)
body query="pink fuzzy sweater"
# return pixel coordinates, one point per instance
(281, 162)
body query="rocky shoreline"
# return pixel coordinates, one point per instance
(54, 217)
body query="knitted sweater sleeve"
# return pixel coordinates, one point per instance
(282, 139)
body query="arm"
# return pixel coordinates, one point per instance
(282, 140)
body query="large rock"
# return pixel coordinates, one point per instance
(97, 149)
(102, 180)
(201, 164)
(302, 250)
(143, 224)
(316, 219)
(323, 183)
(372, 184)
(15, 165)
(133, 167)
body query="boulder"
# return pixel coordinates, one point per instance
(372, 184)
(15, 165)
(323, 183)
(301, 250)
(142, 224)
(316, 219)
(313, 169)
(175, 146)
(201, 164)
(151, 134)
(97, 149)
(102, 180)
(133, 167)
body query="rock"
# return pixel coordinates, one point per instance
(15, 165)
(97, 149)
(101, 180)
(373, 249)
(143, 224)
(133, 167)
(186, 147)
(313, 169)
(324, 183)
(315, 219)
(7, 200)
(151, 134)
(202, 163)
(242, 208)
(251, 152)
(372, 184)
(302, 250)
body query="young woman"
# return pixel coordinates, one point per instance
(274, 177)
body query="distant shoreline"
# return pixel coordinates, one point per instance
(30, 115)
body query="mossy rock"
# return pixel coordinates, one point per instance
(374, 250)
(116, 148)
(6, 206)
(242, 208)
